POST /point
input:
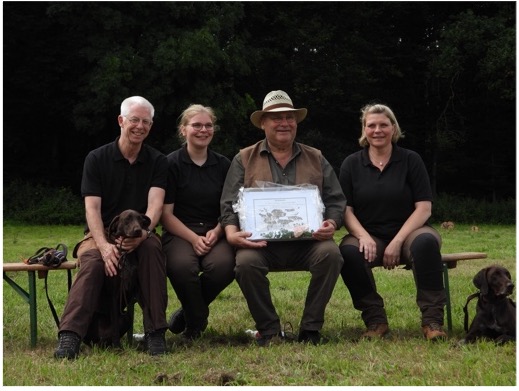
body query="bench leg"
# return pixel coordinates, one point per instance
(448, 296)
(30, 298)
(32, 307)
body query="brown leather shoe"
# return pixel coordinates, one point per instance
(376, 330)
(434, 332)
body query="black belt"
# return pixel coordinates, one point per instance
(201, 225)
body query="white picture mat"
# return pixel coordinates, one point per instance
(270, 211)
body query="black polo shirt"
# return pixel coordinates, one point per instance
(195, 190)
(121, 185)
(382, 201)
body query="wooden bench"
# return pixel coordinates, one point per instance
(450, 261)
(30, 296)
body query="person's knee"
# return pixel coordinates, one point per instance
(352, 256)
(91, 259)
(425, 243)
(248, 262)
(348, 251)
(219, 269)
(152, 250)
(182, 272)
(336, 259)
(327, 258)
(425, 251)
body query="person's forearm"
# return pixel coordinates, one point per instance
(155, 204)
(416, 220)
(353, 225)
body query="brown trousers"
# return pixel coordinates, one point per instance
(92, 290)
(197, 281)
(321, 258)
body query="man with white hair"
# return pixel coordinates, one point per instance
(124, 174)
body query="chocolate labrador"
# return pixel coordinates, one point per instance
(112, 322)
(128, 224)
(495, 311)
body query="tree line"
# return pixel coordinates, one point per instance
(447, 69)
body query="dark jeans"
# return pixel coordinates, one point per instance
(421, 252)
(197, 281)
(89, 293)
(321, 258)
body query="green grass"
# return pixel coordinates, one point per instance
(225, 355)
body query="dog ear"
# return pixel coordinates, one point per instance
(112, 228)
(146, 221)
(480, 281)
(113, 225)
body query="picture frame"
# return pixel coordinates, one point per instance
(281, 213)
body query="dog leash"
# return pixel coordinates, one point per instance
(123, 299)
(466, 310)
(50, 257)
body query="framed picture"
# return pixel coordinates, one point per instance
(281, 214)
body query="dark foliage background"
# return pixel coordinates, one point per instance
(446, 68)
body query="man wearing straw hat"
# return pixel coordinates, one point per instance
(280, 159)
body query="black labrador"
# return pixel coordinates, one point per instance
(495, 311)
(113, 321)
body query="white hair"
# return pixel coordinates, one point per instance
(136, 100)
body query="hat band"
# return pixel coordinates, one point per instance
(288, 106)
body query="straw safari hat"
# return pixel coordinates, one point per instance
(276, 101)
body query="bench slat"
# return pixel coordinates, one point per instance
(453, 257)
(22, 267)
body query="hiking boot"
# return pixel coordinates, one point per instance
(177, 321)
(68, 346)
(274, 339)
(434, 332)
(287, 335)
(376, 330)
(192, 333)
(312, 336)
(156, 342)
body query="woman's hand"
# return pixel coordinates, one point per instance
(392, 255)
(201, 246)
(369, 247)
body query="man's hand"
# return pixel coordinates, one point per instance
(325, 231)
(110, 255)
(239, 239)
(130, 244)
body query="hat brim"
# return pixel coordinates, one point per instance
(255, 117)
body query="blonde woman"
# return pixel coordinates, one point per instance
(389, 203)
(200, 262)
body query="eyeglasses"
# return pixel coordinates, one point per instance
(198, 126)
(279, 118)
(136, 121)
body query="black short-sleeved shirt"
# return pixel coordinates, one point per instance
(382, 201)
(195, 190)
(121, 185)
